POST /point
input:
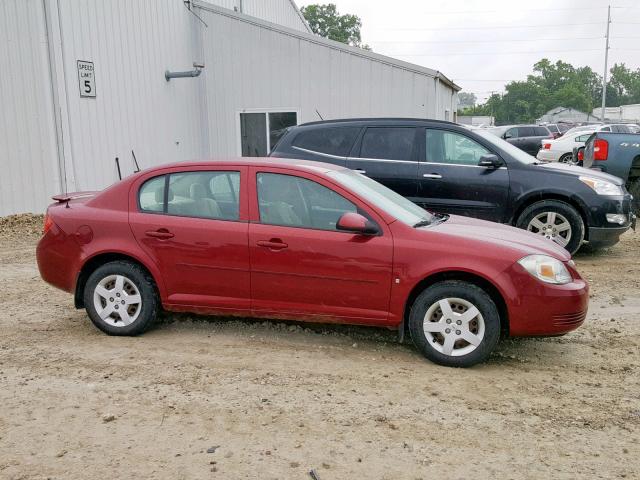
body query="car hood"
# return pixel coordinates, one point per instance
(579, 171)
(518, 240)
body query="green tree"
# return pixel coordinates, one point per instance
(326, 21)
(467, 99)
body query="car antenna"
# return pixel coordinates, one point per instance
(319, 115)
(135, 160)
(118, 166)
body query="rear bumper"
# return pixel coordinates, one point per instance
(547, 155)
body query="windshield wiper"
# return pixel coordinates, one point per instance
(439, 218)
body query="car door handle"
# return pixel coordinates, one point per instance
(273, 244)
(432, 175)
(162, 234)
(359, 170)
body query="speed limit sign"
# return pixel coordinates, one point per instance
(86, 79)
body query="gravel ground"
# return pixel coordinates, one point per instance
(214, 398)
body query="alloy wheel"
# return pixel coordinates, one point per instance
(454, 326)
(551, 225)
(117, 300)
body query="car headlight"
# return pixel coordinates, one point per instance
(546, 269)
(602, 187)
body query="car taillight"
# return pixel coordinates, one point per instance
(546, 146)
(600, 149)
(48, 223)
(580, 155)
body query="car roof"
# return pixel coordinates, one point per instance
(307, 165)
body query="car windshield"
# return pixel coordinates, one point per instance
(515, 152)
(380, 196)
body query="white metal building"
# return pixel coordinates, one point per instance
(623, 113)
(84, 82)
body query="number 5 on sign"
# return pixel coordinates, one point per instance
(86, 79)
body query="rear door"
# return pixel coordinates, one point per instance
(194, 225)
(450, 180)
(388, 154)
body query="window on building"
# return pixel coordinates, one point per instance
(391, 143)
(292, 201)
(260, 131)
(453, 148)
(332, 141)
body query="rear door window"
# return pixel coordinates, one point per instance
(204, 194)
(332, 141)
(390, 143)
(540, 132)
(525, 132)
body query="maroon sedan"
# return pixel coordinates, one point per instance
(304, 241)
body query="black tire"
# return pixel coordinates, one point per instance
(431, 347)
(634, 189)
(559, 207)
(135, 275)
(566, 158)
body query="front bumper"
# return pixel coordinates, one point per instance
(542, 309)
(602, 233)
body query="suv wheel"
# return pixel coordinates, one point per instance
(455, 324)
(120, 298)
(555, 220)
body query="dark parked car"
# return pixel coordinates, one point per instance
(448, 168)
(525, 137)
(619, 155)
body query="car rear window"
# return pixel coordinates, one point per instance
(333, 141)
(392, 143)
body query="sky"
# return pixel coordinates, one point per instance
(483, 44)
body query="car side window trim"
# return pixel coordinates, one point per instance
(322, 154)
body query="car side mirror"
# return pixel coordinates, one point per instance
(507, 136)
(490, 161)
(356, 223)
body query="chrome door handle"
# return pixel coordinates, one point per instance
(359, 170)
(432, 175)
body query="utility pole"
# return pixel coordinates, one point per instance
(606, 60)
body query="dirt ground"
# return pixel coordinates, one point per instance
(214, 398)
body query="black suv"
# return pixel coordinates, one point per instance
(448, 168)
(525, 137)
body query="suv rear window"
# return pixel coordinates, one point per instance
(333, 141)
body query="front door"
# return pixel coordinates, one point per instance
(389, 156)
(194, 225)
(450, 180)
(301, 265)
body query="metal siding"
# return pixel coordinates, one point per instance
(28, 155)
(274, 70)
(135, 108)
(282, 12)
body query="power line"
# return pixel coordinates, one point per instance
(493, 27)
(539, 52)
(493, 41)
(476, 12)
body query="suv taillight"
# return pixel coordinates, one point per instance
(48, 223)
(600, 149)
